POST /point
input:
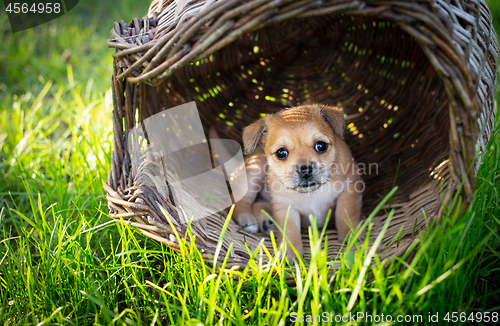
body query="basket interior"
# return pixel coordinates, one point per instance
(395, 105)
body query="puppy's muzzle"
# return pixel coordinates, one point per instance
(306, 179)
(305, 171)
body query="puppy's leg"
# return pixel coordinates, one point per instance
(265, 225)
(244, 217)
(256, 175)
(348, 202)
(293, 228)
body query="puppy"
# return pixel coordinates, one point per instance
(302, 167)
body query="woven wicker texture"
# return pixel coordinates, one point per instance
(416, 81)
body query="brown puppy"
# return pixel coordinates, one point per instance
(304, 167)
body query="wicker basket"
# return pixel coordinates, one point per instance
(416, 79)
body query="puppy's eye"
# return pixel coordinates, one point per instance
(320, 146)
(282, 153)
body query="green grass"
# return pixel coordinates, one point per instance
(62, 261)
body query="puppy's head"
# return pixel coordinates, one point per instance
(299, 143)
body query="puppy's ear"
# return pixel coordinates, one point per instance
(335, 118)
(252, 134)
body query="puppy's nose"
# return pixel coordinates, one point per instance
(305, 170)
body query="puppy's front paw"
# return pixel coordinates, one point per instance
(292, 258)
(266, 226)
(248, 222)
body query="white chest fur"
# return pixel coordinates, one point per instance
(317, 203)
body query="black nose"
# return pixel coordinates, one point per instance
(305, 170)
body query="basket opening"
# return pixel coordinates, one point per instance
(395, 104)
